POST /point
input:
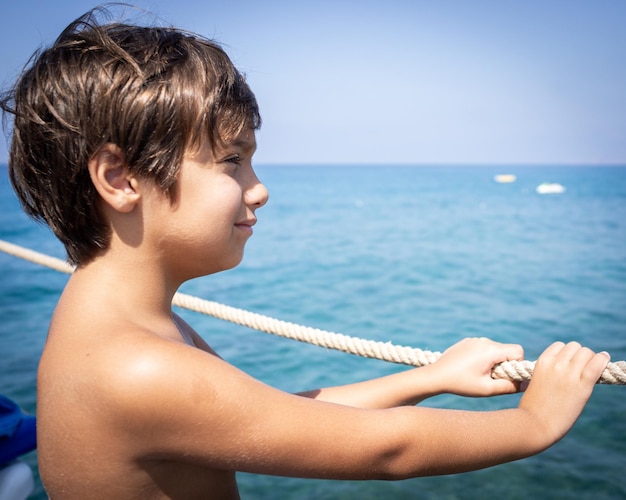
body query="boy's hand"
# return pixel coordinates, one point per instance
(465, 368)
(562, 382)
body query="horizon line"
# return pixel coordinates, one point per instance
(440, 164)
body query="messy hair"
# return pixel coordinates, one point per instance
(152, 91)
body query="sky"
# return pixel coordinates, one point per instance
(401, 81)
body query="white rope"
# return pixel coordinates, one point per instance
(615, 372)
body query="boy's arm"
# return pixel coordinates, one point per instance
(464, 369)
(178, 404)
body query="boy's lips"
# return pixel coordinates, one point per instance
(246, 225)
(247, 222)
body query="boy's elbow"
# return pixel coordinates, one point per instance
(397, 464)
(400, 455)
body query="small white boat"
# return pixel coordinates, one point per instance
(505, 178)
(550, 188)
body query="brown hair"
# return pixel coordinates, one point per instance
(152, 91)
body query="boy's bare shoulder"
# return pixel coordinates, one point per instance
(126, 365)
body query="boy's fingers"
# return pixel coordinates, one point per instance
(574, 358)
(570, 350)
(553, 350)
(513, 352)
(581, 357)
(504, 386)
(596, 366)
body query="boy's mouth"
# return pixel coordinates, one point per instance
(246, 225)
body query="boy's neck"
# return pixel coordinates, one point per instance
(130, 279)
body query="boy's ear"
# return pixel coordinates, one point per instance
(112, 179)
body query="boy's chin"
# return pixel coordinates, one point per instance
(229, 264)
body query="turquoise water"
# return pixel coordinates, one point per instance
(417, 256)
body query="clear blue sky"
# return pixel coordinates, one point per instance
(402, 81)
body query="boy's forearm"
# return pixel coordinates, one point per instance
(400, 389)
(434, 442)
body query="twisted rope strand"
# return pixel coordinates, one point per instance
(614, 373)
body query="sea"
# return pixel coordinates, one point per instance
(418, 256)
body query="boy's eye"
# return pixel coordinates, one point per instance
(236, 159)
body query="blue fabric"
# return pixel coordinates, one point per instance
(10, 417)
(18, 432)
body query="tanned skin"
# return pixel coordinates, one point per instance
(128, 409)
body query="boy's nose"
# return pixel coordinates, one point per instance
(257, 195)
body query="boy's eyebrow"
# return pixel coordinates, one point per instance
(245, 144)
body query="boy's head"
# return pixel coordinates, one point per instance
(152, 91)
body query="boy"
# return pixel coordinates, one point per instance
(135, 145)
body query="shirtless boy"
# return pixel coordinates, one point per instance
(135, 145)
